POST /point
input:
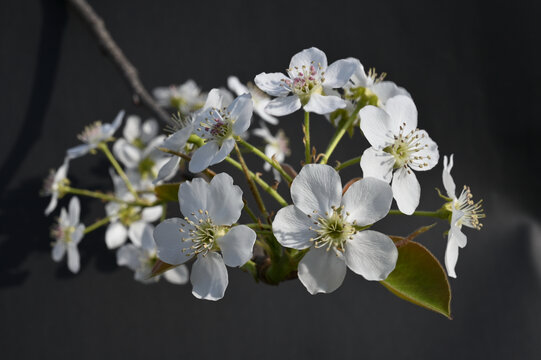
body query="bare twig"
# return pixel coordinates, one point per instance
(110, 47)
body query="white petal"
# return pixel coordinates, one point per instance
(339, 72)
(241, 110)
(406, 190)
(385, 90)
(367, 201)
(169, 242)
(116, 122)
(371, 254)
(79, 150)
(448, 181)
(58, 251)
(215, 99)
(140, 233)
(194, 196)
(260, 110)
(236, 86)
(359, 77)
(316, 188)
(168, 170)
(74, 262)
(224, 202)
(377, 164)
(273, 83)
(115, 235)
(307, 57)
(78, 234)
(321, 271)
(62, 171)
(178, 275)
(203, 156)
(291, 227)
(177, 141)
(403, 112)
(428, 156)
(320, 104)
(225, 150)
(151, 214)
(237, 245)
(209, 277)
(132, 129)
(451, 256)
(128, 255)
(376, 126)
(149, 130)
(129, 155)
(74, 211)
(52, 204)
(283, 105)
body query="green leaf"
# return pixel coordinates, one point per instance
(167, 192)
(419, 278)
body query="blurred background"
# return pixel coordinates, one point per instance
(473, 71)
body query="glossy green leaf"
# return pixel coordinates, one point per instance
(419, 278)
(167, 192)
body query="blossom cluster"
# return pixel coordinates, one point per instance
(325, 229)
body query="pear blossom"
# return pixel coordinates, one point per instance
(186, 97)
(331, 225)
(277, 147)
(68, 234)
(398, 148)
(218, 123)
(176, 142)
(206, 234)
(308, 80)
(93, 135)
(464, 211)
(374, 84)
(137, 150)
(141, 260)
(53, 183)
(128, 221)
(259, 98)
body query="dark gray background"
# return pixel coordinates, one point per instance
(473, 70)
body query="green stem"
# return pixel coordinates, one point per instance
(103, 147)
(269, 189)
(262, 155)
(440, 214)
(258, 226)
(249, 211)
(93, 194)
(347, 163)
(97, 224)
(340, 131)
(251, 184)
(307, 152)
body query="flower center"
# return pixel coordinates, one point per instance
(305, 81)
(218, 126)
(332, 229)
(472, 211)
(127, 215)
(406, 147)
(203, 234)
(92, 134)
(62, 233)
(146, 168)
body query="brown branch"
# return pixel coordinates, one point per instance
(111, 49)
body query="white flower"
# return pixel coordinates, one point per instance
(277, 147)
(142, 259)
(53, 183)
(259, 98)
(186, 97)
(464, 212)
(206, 234)
(95, 134)
(176, 142)
(330, 224)
(373, 84)
(398, 148)
(308, 79)
(137, 150)
(218, 124)
(128, 221)
(68, 233)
